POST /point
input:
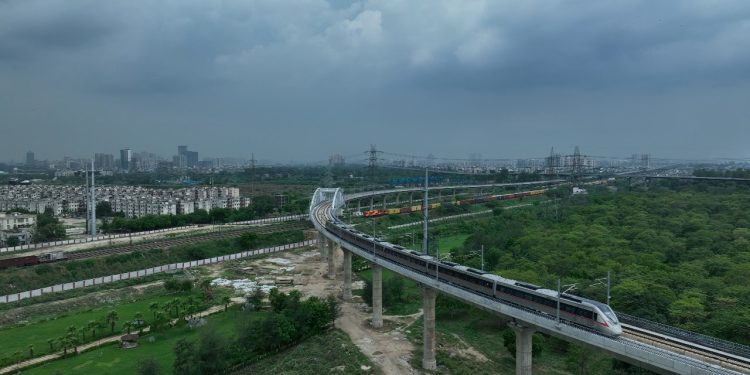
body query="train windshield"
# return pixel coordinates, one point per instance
(607, 312)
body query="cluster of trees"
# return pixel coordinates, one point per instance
(48, 228)
(736, 173)
(679, 253)
(261, 206)
(289, 321)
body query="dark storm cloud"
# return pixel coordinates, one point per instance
(231, 77)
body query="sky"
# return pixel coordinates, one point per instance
(296, 81)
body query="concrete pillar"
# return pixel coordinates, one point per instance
(347, 275)
(359, 205)
(523, 347)
(385, 202)
(322, 242)
(411, 199)
(372, 203)
(428, 302)
(377, 296)
(331, 266)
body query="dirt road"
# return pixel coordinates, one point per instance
(388, 347)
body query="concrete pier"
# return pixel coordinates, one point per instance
(322, 243)
(377, 295)
(428, 302)
(347, 275)
(331, 266)
(523, 347)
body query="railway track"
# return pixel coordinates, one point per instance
(162, 244)
(687, 348)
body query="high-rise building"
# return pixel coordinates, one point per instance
(30, 158)
(190, 157)
(126, 155)
(105, 162)
(179, 161)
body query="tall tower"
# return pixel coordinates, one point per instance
(577, 164)
(645, 162)
(126, 155)
(372, 159)
(92, 203)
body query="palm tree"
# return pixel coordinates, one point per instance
(226, 301)
(31, 350)
(18, 357)
(112, 318)
(63, 340)
(176, 303)
(51, 343)
(138, 320)
(71, 338)
(206, 287)
(154, 307)
(92, 326)
(127, 325)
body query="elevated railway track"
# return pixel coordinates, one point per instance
(662, 351)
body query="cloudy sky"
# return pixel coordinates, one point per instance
(299, 80)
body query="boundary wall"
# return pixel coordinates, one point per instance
(149, 271)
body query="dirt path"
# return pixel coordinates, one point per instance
(388, 348)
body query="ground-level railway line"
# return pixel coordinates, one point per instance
(186, 240)
(163, 244)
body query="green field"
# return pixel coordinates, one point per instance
(450, 242)
(113, 360)
(18, 338)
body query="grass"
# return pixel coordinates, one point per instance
(113, 360)
(18, 338)
(446, 243)
(317, 355)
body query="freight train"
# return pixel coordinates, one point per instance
(473, 200)
(31, 260)
(573, 309)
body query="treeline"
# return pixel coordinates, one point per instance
(736, 173)
(290, 321)
(678, 255)
(261, 207)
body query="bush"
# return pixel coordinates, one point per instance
(178, 285)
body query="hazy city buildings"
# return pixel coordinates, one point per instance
(105, 162)
(132, 201)
(126, 156)
(30, 158)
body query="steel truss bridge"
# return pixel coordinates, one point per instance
(656, 347)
